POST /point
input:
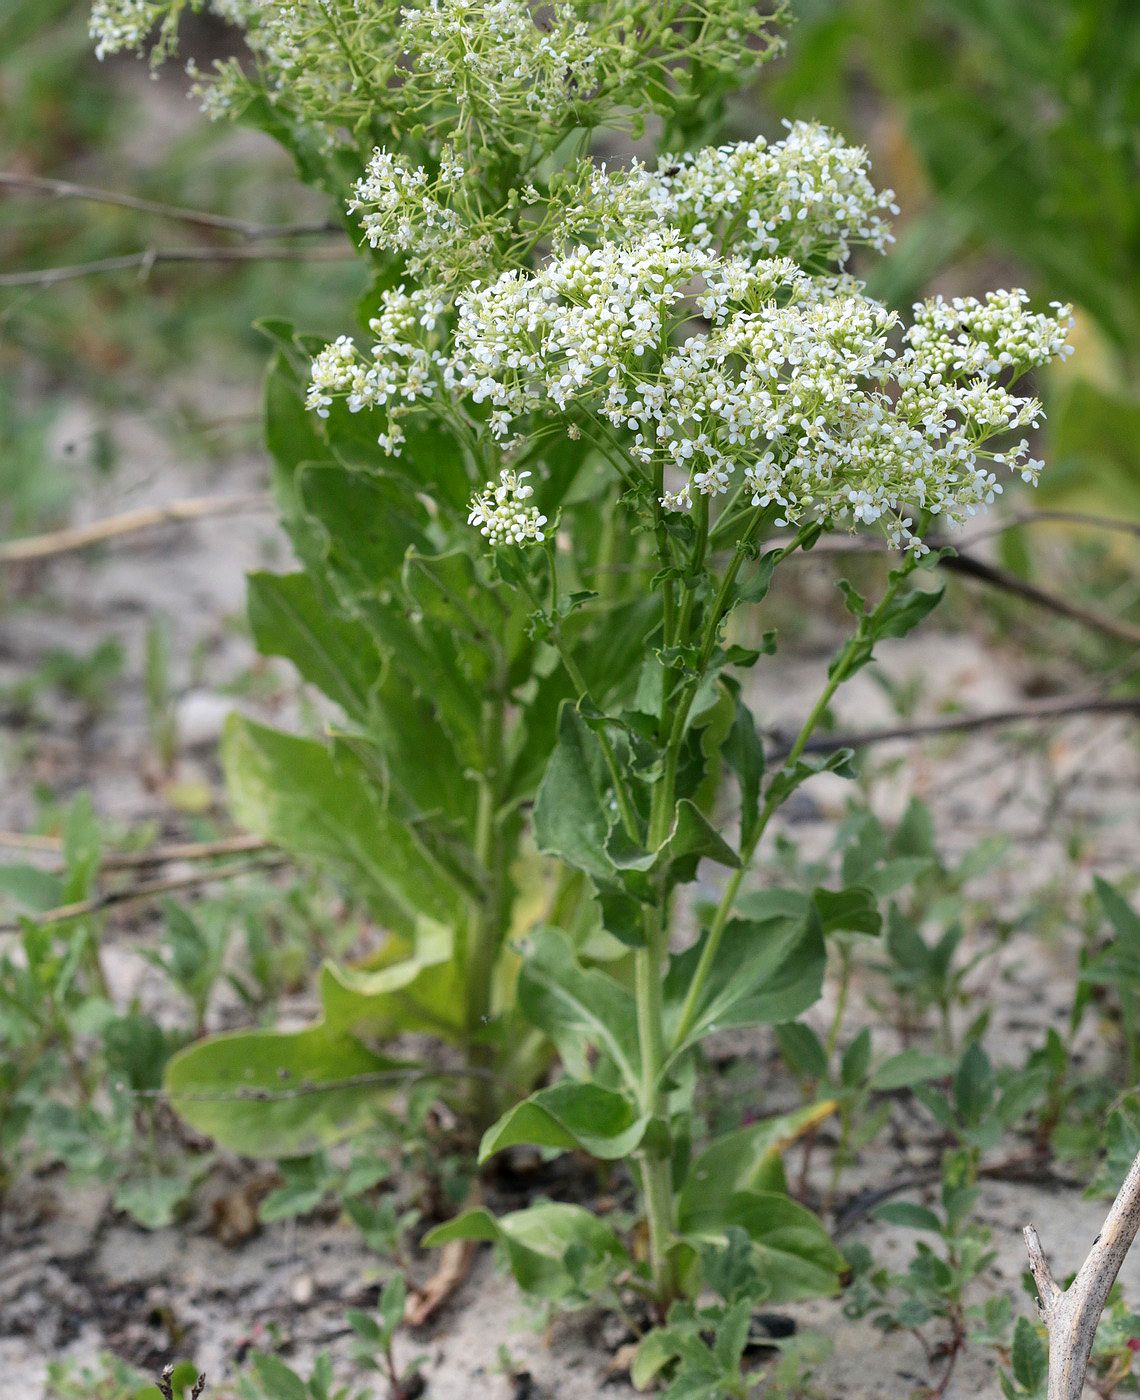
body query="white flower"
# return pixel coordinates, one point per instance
(501, 513)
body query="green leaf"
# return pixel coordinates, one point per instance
(791, 776)
(905, 611)
(1123, 918)
(572, 810)
(555, 1251)
(856, 1060)
(909, 1215)
(31, 888)
(155, 1200)
(314, 801)
(1030, 1356)
(391, 1304)
(803, 1051)
(580, 1010)
(744, 754)
(747, 1159)
(974, 1084)
(768, 967)
(422, 991)
(369, 522)
(853, 910)
(261, 1092)
(914, 835)
(910, 1067)
(690, 838)
(277, 1379)
(795, 1256)
(290, 618)
(570, 1115)
(292, 436)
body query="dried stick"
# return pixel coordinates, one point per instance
(154, 855)
(1053, 517)
(152, 257)
(1001, 579)
(1039, 710)
(1071, 1316)
(969, 567)
(131, 521)
(135, 894)
(197, 218)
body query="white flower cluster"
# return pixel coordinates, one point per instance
(490, 52)
(405, 365)
(405, 210)
(123, 26)
(808, 196)
(501, 513)
(986, 337)
(718, 343)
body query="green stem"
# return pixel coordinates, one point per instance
(839, 673)
(489, 918)
(654, 1161)
(626, 809)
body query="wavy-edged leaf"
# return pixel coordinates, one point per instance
(580, 1009)
(572, 813)
(768, 967)
(290, 618)
(570, 1115)
(748, 1159)
(793, 1251)
(423, 990)
(278, 1093)
(691, 837)
(554, 1250)
(313, 800)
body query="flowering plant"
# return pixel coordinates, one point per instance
(595, 409)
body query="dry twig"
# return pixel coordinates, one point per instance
(1035, 710)
(196, 218)
(154, 855)
(130, 522)
(1053, 517)
(1001, 579)
(136, 894)
(147, 258)
(1071, 1316)
(969, 567)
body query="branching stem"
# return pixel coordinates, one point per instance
(1071, 1315)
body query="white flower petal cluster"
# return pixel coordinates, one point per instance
(503, 54)
(405, 366)
(496, 73)
(124, 26)
(405, 210)
(717, 342)
(808, 196)
(501, 513)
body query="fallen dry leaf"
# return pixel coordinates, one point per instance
(455, 1263)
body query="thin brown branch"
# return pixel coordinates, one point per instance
(994, 577)
(196, 218)
(1053, 517)
(1038, 711)
(138, 894)
(148, 258)
(1007, 582)
(133, 860)
(130, 522)
(1071, 1317)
